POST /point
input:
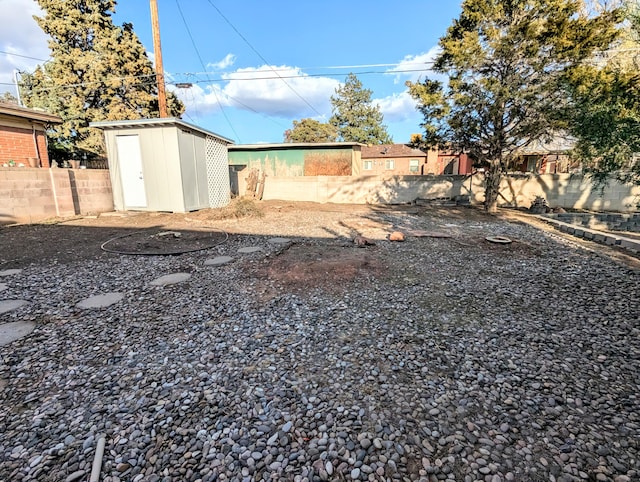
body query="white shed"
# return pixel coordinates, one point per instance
(166, 165)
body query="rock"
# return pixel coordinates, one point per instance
(171, 279)
(77, 475)
(279, 240)
(362, 242)
(396, 236)
(10, 332)
(10, 305)
(218, 261)
(249, 250)
(100, 301)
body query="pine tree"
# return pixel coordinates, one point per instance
(355, 117)
(311, 130)
(506, 61)
(99, 71)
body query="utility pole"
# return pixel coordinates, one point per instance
(157, 49)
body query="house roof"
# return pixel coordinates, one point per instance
(163, 121)
(295, 145)
(557, 144)
(391, 150)
(14, 110)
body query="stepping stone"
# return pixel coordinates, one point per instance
(250, 249)
(171, 279)
(3, 286)
(100, 301)
(9, 272)
(14, 331)
(218, 261)
(279, 240)
(10, 305)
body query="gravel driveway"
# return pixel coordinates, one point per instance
(439, 358)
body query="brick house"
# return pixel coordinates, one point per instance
(451, 163)
(402, 159)
(551, 156)
(395, 159)
(23, 137)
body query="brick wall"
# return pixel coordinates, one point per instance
(17, 145)
(32, 195)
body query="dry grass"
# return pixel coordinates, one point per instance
(238, 208)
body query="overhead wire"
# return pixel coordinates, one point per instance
(263, 59)
(24, 56)
(195, 47)
(190, 76)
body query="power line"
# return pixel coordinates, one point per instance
(189, 75)
(195, 47)
(261, 57)
(23, 56)
(298, 76)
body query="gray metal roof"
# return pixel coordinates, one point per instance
(156, 122)
(296, 145)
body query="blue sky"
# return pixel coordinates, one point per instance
(257, 65)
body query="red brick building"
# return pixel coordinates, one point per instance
(402, 159)
(23, 139)
(395, 159)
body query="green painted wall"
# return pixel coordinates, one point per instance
(286, 162)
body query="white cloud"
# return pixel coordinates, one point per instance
(397, 107)
(228, 61)
(414, 67)
(20, 35)
(271, 90)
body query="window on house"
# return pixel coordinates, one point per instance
(389, 164)
(532, 163)
(367, 165)
(414, 165)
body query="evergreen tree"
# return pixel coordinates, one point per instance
(354, 116)
(8, 98)
(606, 108)
(99, 71)
(506, 61)
(311, 130)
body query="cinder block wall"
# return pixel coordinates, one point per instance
(569, 191)
(32, 195)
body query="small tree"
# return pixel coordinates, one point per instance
(355, 117)
(506, 60)
(311, 130)
(8, 98)
(98, 71)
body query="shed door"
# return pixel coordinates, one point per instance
(130, 161)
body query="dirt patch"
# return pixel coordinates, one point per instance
(162, 242)
(327, 266)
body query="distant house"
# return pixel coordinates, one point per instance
(395, 159)
(298, 159)
(402, 159)
(23, 139)
(547, 157)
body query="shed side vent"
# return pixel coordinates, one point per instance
(217, 173)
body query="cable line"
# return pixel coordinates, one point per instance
(195, 47)
(263, 59)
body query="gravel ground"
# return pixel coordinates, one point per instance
(434, 359)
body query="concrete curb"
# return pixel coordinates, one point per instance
(601, 237)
